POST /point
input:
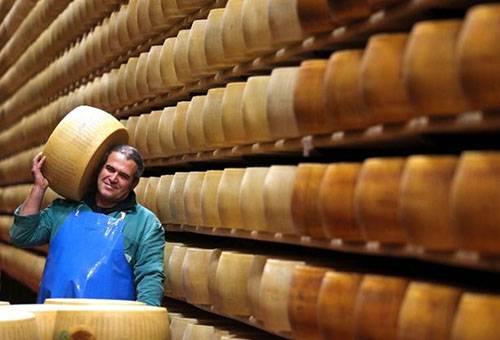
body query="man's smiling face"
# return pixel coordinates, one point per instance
(115, 180)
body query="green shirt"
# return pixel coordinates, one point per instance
(143, 235)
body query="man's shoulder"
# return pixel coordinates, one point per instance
(63, 204)
(141, 212)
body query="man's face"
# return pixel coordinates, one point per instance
(116, 179)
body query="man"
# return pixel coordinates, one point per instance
(106, 246)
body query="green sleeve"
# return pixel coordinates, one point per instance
(148, 267)
(37, 229)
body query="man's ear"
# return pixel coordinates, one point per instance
(134, 183)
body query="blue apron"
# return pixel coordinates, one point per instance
(87, 260)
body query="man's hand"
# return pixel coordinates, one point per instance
(36, 171)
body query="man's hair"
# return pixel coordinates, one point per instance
(131, 153)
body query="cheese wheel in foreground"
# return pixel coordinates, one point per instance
(66, 301)
(45, 316)
(112, 322)
(18, 325)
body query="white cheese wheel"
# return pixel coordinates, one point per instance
(18, 325)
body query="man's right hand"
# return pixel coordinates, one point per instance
(36, 171)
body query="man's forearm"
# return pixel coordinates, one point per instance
(33, 203)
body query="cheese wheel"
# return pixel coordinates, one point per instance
(342, 92)
(140, 134)
(284, 22)
(192, 197)
(195, 273)
(167, 253)
(424, 205)
(150, 193)
(278, 192)
(384, 94)
(214, 50)
(253, 284)
(168, 71)
(303, 301)
(336, 304)
(376, 197)
(254, 107)
(227, 198)
(430, 70)
(45, 316)
(209, 209)
(180, 129)
(280, 99)
(113, 322)
(274, 294)
(477, 53)
(378, 305)
(212, 118)
(256, 29)
(251, 199)
(478, 317)
(232, 114)
(233, 270)
(233, 41)
(18, 325)
(153, 73)
(308, 102)
(83, 136)
(80, 301)
(336, 202)
(305, 197)
(475, 201)
(162, 194)
(197, 58)
(166, 132)
(181, 61)
(141, 79)
(194, 124)
(176, 198)
(174, 271)
(152, 135)
(427, 311)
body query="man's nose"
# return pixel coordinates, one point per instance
(114, 177)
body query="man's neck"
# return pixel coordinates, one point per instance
(103, 203)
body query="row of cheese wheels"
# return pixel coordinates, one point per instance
(13, 196)
(315, 302)
(5, 7)
(393, 80)
(43, 36)
(185, 326)
(218, 42)
(16, 169)
(13, 15)
(434, 202)
(24, 266)
(84, 319)
(118, 33)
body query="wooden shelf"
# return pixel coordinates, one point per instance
(251, 321)
(467, 259)
(415, 132)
